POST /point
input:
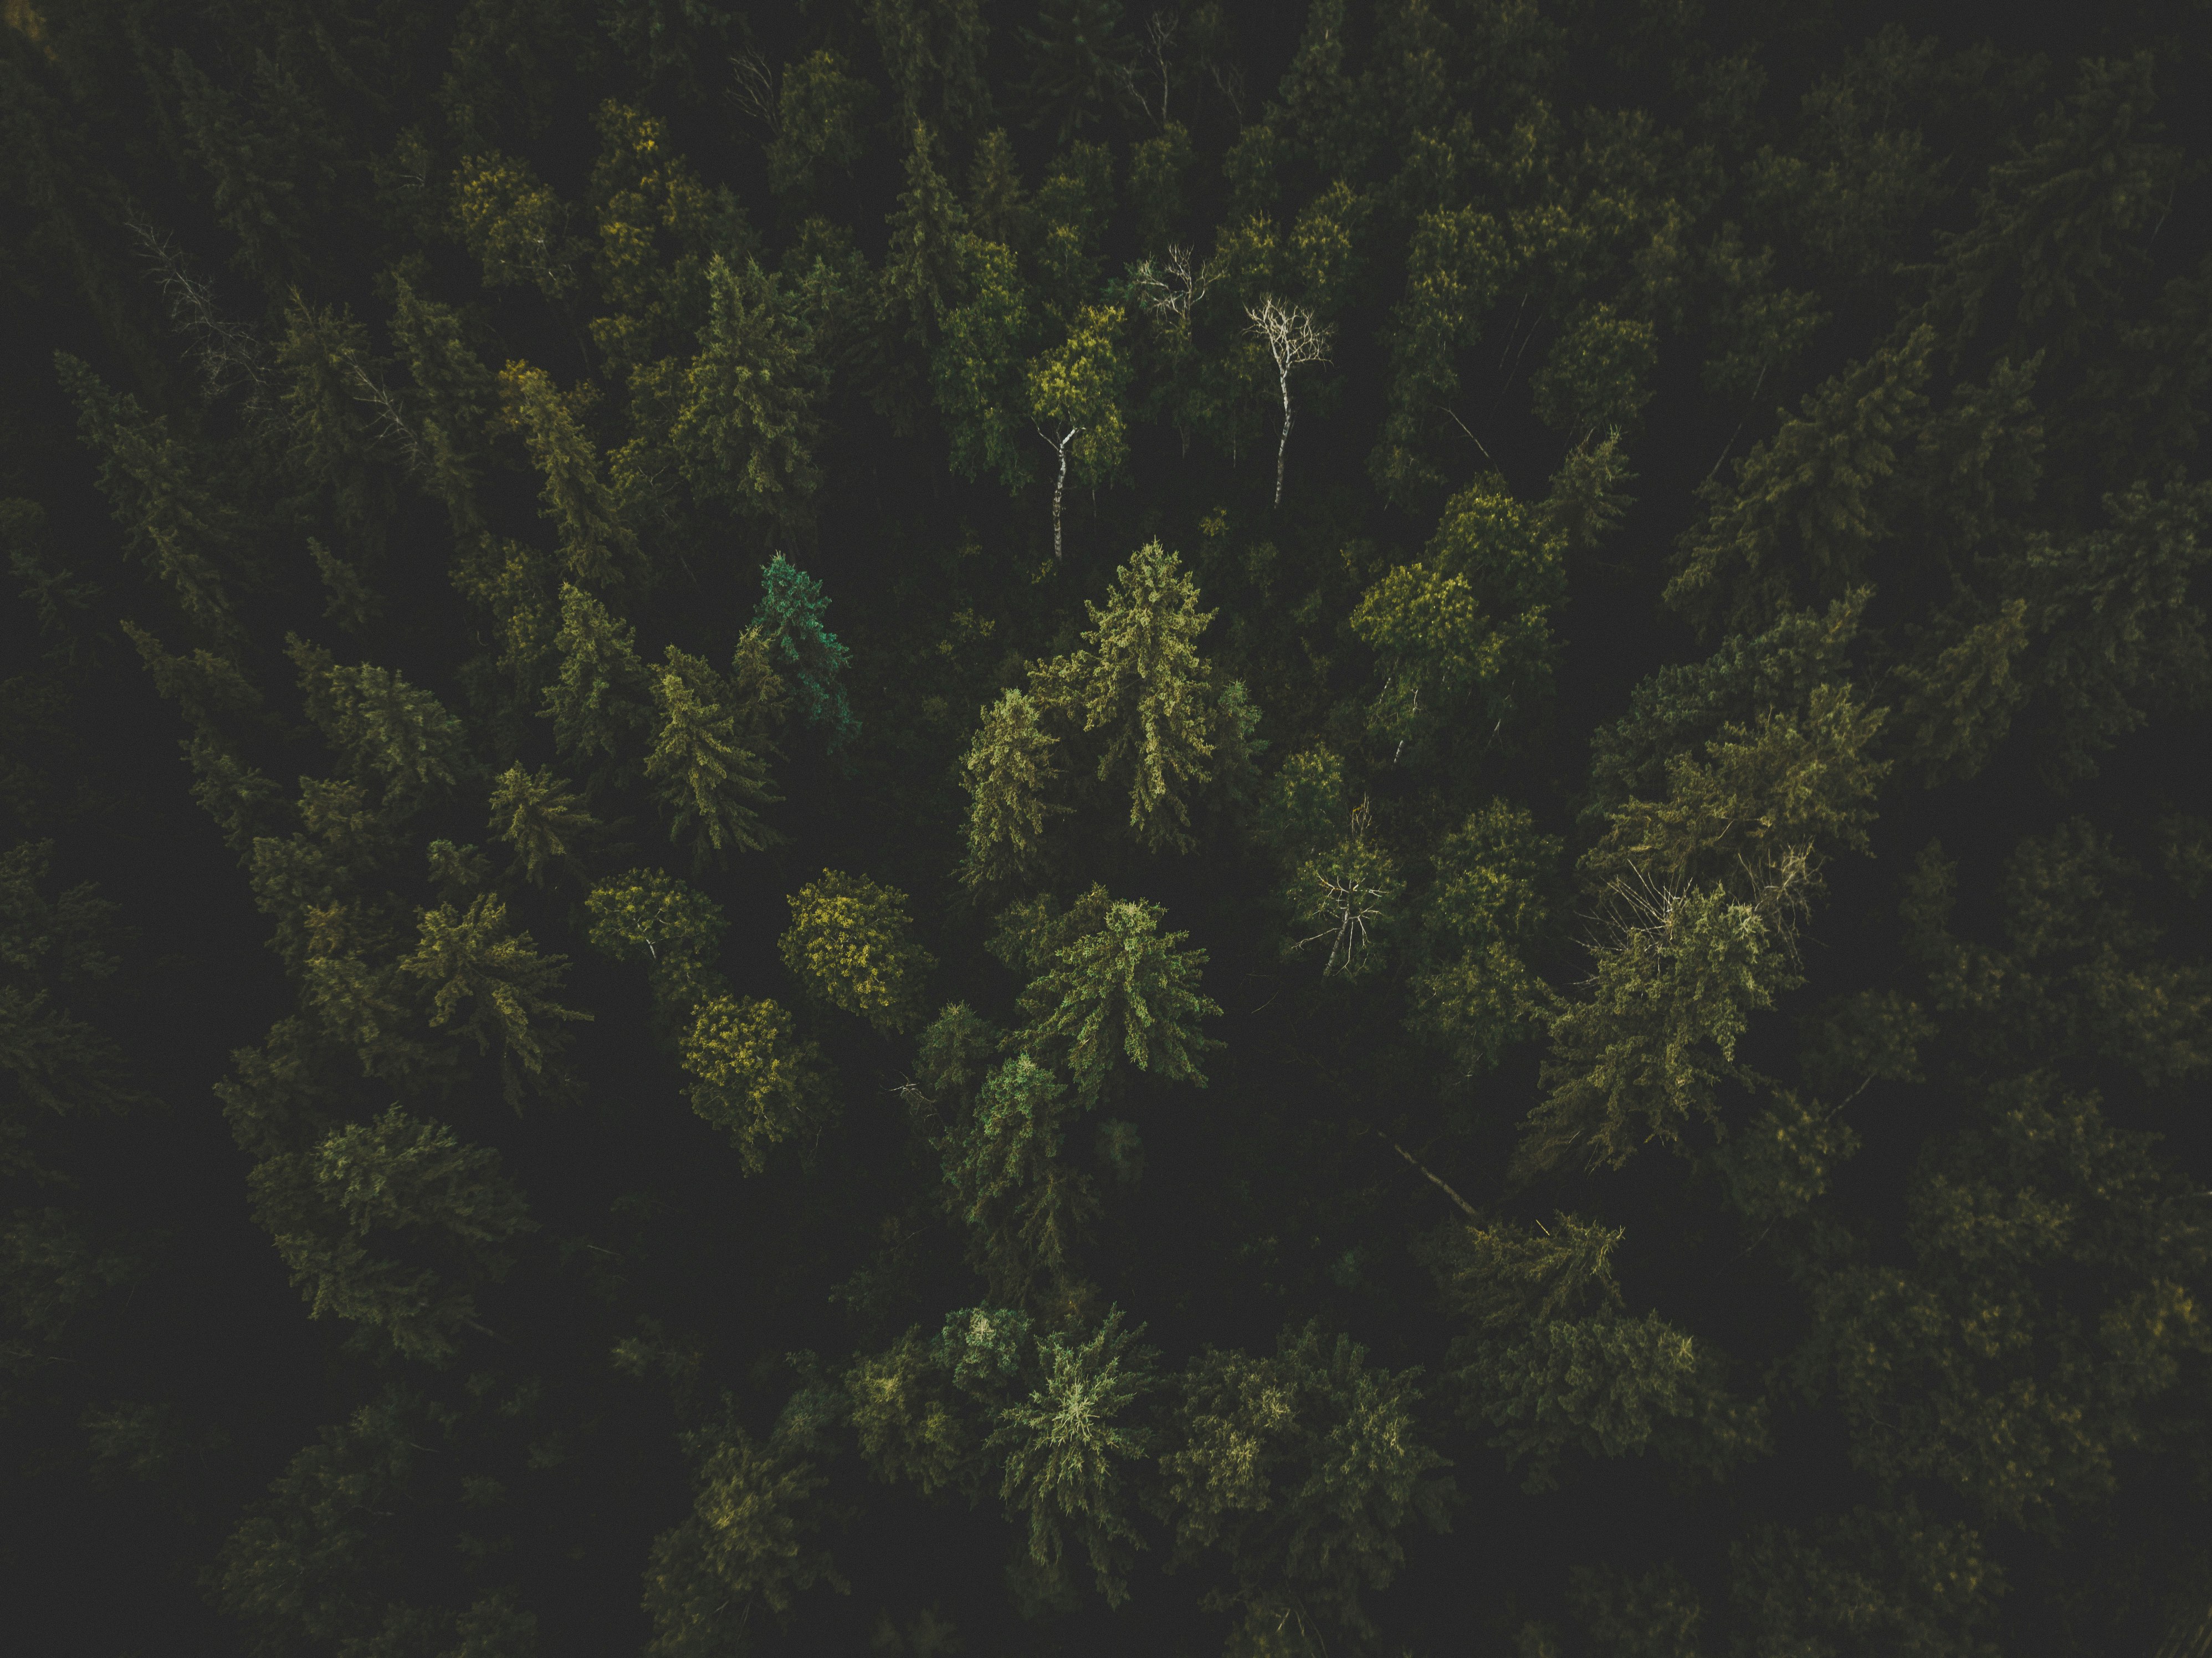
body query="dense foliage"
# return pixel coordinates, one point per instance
(933, 826)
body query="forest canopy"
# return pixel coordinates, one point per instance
(967, 826)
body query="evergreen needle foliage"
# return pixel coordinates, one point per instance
(1046, 827)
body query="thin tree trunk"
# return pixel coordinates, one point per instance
(1059, 488)
(1283, 447)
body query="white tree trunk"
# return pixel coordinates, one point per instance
(1283, 447)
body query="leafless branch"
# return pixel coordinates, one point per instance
(1159, 36)
(1172, 285)
(1230, 81)
(1294, 338)
(227, 350)
(1430, 1175)
(753, 88)
(1349, 901)
(389, 420)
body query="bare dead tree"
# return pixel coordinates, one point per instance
(1294, 338)
(1058, 447)
(753, 88)
(1172, 285)
(1348, 897)
(227, 350)
(1159, 37)
(1230, 81)
(389, 419)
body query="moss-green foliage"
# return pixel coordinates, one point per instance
(1645, 1054)
(976, 373)
(1297, 1472)
(711, 786)
(335, 1212)
(542, 818)
(1118, 990)
(1486, 911)
(1171, 729)
(2042, 1322)
(1472, 619)
(748, 1543)
(473, 958)
(1006, 1179)
(1737, 448)
(1552, 1361)
(1068, 1455)
(1008, 771)
(819, 110)
(747, 424)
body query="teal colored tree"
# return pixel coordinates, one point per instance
(806, 652)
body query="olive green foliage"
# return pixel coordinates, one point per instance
(596, 544)
(1043, 1084)
(975, 373)
(851, 944)
(747, 424)
(1076, 387)
(646, 914)
(1877, 1580)
(747, 1544)
(597, 703)
(1297, 1472)
(474, 957)
(306, 1564)
(753, 1075)
(512, 224)
(2026, 1347)
(1008, 771)
(2080, 977)
(819, 110)
(1067, 1475)
(542, 818)
(1006, 1180)
(1645, 1053)
(1172, 728)
(1485, 913)
(1472, 618)
(711, 786)
(1118, 990)
(335, 1209)
(1553, 1361)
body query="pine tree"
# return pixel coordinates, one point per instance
(1171, 728)
(746, 1544)
(789, 625)
(711, 787)
(1119, 990)
(921, 269)
(596, 544)
(1009, 775)
(363, 1190)
(1064, 1448)
(748, 424)
(1297, 1471)
(646, 913)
